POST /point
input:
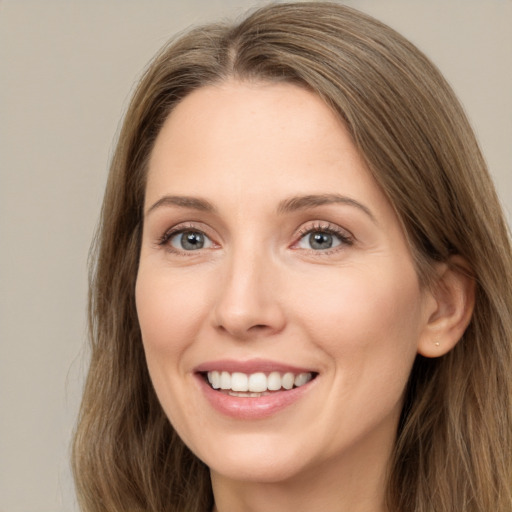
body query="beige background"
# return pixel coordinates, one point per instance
(66, 71)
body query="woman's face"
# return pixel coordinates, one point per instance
(271, 259)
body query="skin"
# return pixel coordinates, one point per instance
(355, 314)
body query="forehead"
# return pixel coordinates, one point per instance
(244, 140)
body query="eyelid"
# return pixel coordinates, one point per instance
(346, 238)
(164, 239)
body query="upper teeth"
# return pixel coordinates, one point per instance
(257, 382)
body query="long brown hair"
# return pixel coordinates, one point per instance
(454, 444)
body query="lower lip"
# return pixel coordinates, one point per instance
(252, 408)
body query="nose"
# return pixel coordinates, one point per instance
(248, 305)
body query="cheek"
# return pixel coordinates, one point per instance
(366, 314)
(168, 314)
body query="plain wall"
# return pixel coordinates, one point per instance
(66, 72)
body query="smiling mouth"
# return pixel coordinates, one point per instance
(255, 384)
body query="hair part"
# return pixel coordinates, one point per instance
(454, 445)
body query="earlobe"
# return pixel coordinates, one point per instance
(453, 296)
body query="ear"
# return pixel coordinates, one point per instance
(451, 304)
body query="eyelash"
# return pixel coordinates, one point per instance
(342, 235)
(170, 233)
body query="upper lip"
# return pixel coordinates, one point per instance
(250, 366)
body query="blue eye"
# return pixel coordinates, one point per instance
(190, 240)
(322, 239)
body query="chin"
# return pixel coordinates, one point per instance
(254, 460)
(264, 470)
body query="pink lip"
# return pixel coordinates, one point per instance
(250, 366)
(250, 408)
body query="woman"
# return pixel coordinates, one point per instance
(302, 286)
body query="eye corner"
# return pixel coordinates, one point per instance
(322, 238)
(186, 239)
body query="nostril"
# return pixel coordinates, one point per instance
(260, 329)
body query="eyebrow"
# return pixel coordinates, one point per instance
(292, 204)
(313, 201)
(193, 203)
